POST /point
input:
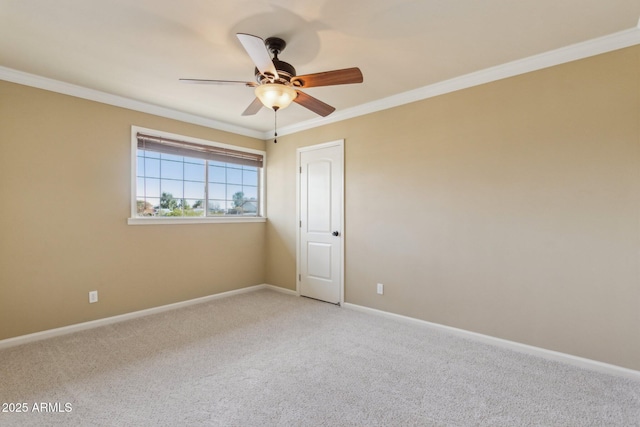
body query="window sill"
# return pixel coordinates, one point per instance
(197, 220)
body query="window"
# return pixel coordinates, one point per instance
(182, 179)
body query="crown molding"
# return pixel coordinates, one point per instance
(597, 46)
(64, 88)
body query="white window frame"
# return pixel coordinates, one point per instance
(134, 219)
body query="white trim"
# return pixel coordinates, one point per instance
(24, 339)
(298, 219)
(557, 356)
(337, 142)
(548, 59)
(37, 336)
(282, 290)
(299, 151)
(64, 88)
(523, 348)
(194, 220)
(593, 47)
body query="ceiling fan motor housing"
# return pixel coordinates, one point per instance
(275, 45)
(285, 73)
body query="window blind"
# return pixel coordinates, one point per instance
(200, 151)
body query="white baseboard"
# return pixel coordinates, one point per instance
(37, 336)
(512, 345)
(581, 362)
(282, 290)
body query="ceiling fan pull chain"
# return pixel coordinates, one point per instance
(275, 125)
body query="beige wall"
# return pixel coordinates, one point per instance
(511, 209)
(65, 191)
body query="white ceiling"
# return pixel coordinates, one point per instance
(138, 49)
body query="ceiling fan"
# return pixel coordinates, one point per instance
(277, 84)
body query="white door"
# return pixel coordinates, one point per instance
(320, 243)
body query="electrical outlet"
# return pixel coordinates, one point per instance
(380, 289)
(93, 297)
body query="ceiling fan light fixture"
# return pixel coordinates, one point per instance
(275, 95)
(277, 84)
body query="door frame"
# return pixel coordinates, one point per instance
(299, 151)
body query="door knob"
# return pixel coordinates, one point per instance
(336, 233)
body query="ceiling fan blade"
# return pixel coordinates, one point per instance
(253, 108)
(218, 82)
(313, 104)
(258, 53)
(329, 78)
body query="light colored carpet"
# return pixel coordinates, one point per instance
(270, 359)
